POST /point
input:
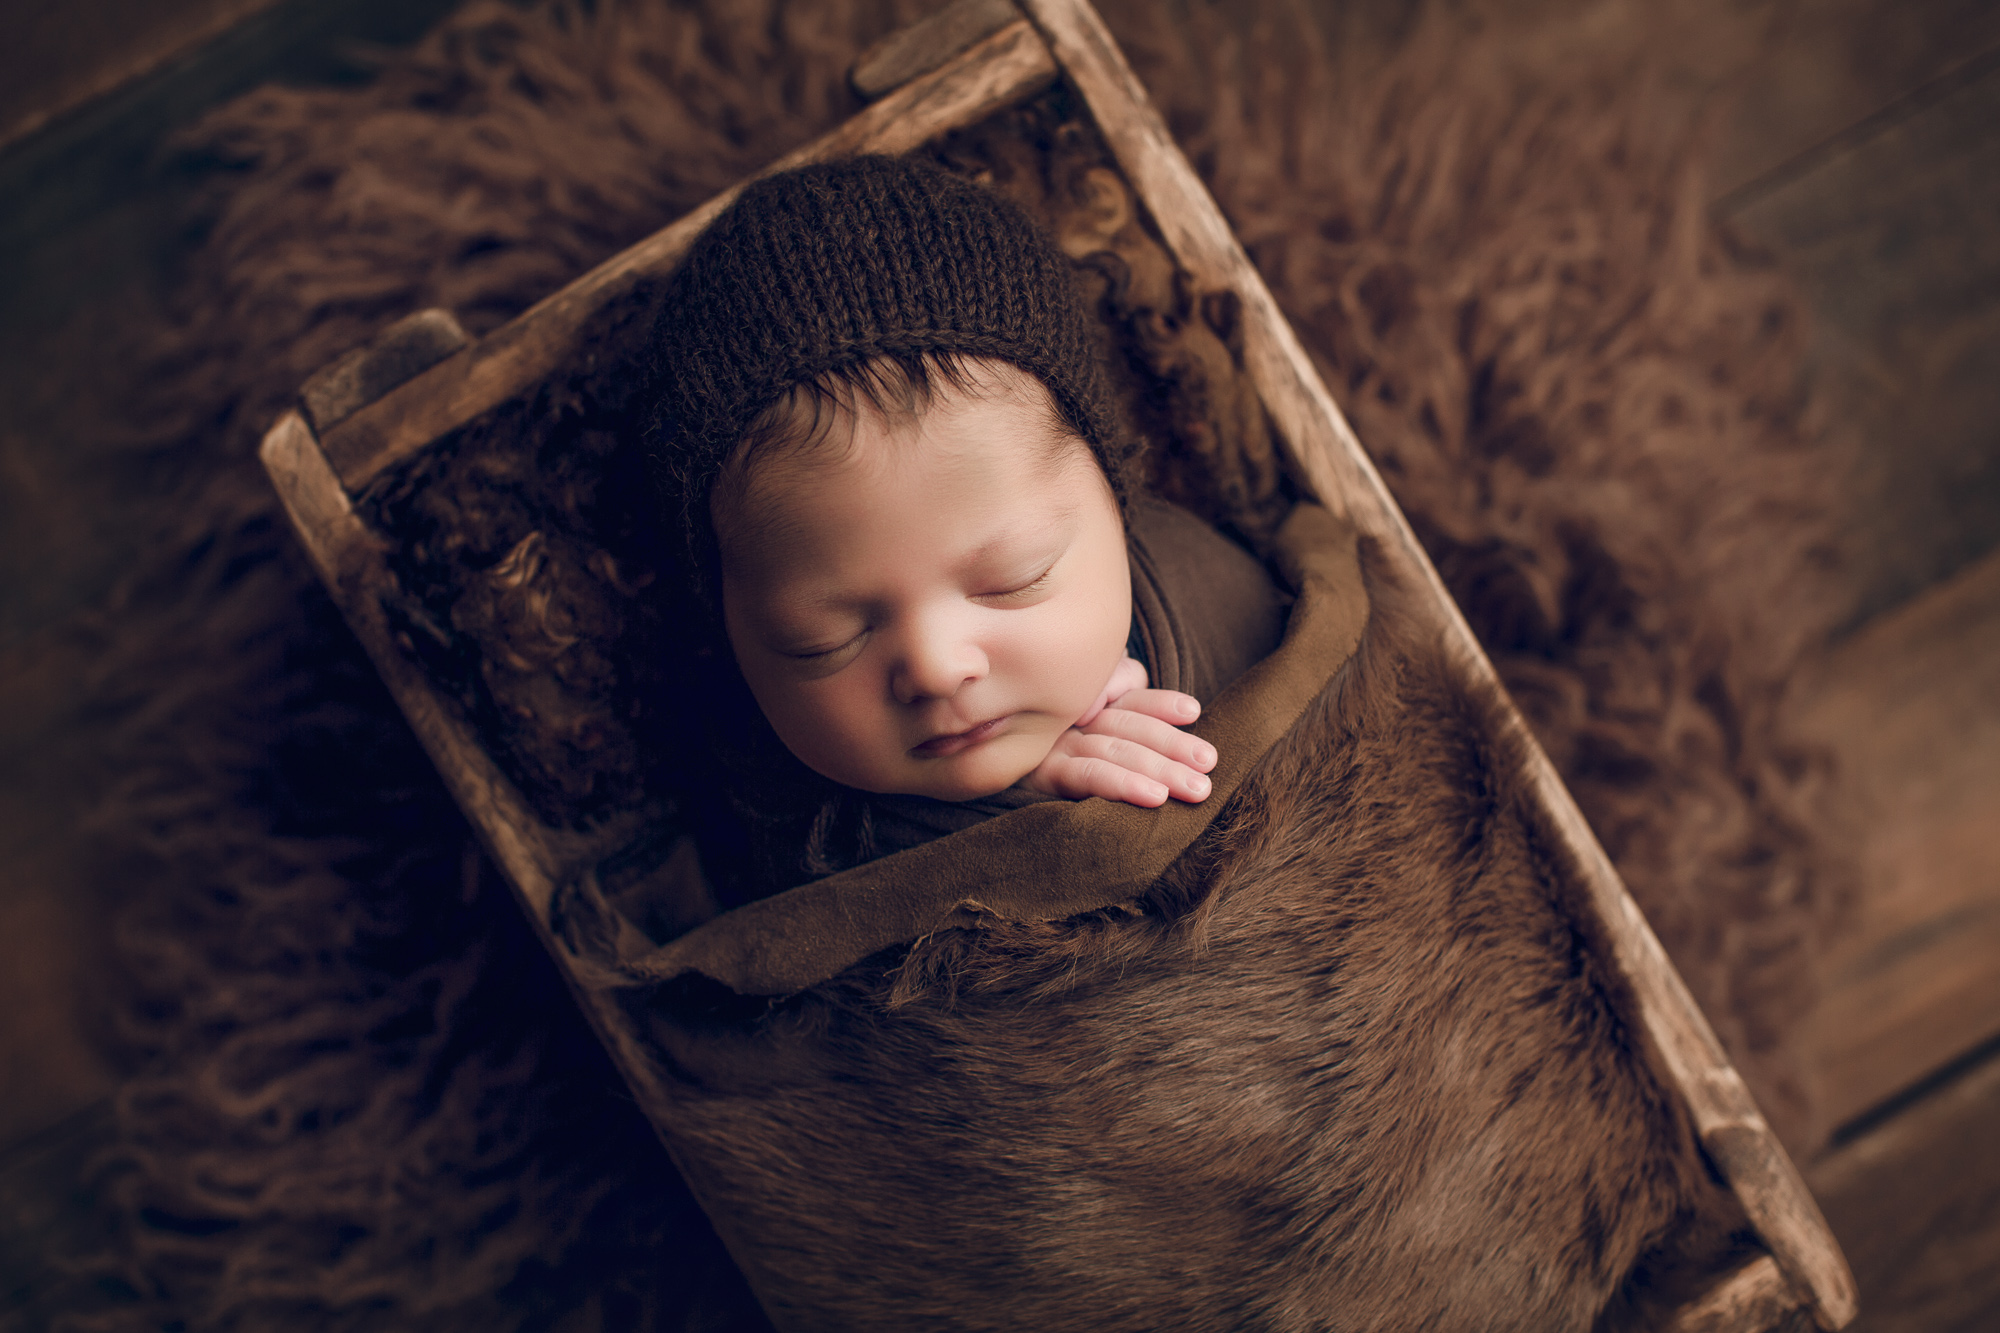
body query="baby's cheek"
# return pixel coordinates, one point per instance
(825, 727)
(1101, 652)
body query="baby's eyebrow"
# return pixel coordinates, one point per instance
(1055, 519)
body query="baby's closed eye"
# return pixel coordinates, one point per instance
(815, 654)
(822, 656)
(1022, 592)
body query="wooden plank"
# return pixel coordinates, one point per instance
(63, 56)
(85, 183)
(1910, 707)
(1332, 460)
(1916, 1201)
(913, 51)
(1891, 238)
(1752, 1298)
(348, 559)
(997, 72)
(533, 858)
(1201, 241)
(405, 349)
(1830, 64)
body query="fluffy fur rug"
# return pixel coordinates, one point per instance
(372, 1105)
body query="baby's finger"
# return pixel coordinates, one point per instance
(1181, 780)
(1088, 776)
(1167, 705)
(1161, 737)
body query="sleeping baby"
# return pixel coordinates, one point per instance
(1000, 999)
(883, 429)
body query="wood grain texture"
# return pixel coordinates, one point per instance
(1917, 1203)
(913, 51)
(1910, 706)
(1200, 240)
(1891, 237)
(1333, 463)
(1753, 1298)
(348, 559)
(530, 855)
(1829, 63)
(405, 349)
(62, 56)
(997, 72)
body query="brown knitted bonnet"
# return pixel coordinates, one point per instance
(832, 265)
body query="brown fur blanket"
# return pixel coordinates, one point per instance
(1350, 1063)
(367, 1102)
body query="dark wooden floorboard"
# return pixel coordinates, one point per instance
(1916, 1204)
(1829, 63)
(71, 53)
(1896, 240)
(1891, 222)
(1910, 706)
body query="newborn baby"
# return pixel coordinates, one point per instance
(883, 429)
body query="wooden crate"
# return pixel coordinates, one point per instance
(386, 406)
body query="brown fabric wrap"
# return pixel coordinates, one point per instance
(1047, 861)
(1204, 610)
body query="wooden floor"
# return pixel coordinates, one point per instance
(1915, 1200)
(1888, 212)
(1911, 704)
(1864, 151)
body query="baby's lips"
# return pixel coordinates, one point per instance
(950, 743)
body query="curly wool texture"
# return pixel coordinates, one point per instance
(376, 1107)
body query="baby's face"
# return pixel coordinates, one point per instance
(927, 607)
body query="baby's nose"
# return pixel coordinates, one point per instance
(937, 667)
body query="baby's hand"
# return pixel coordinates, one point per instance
(1130, 747)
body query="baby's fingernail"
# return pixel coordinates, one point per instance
(1204, 753)
(1189, 708)
(1157, 792)
(1198, 785)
